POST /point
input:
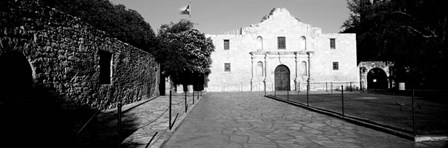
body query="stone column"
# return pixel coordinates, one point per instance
(252, 71)
(309, 71)
(295, 79)
(265, 69)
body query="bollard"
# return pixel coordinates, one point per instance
(413, 114)
(287, 95)
(198, 94)
(351, 88)
(119, 120)
(342, 94)
(151, 139)
(331, 87)
(169, 112)
(186, 105)
(193, 97)
(307, 95)
(326, 87)
(299, 86)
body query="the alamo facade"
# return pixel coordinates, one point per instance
(281, 53)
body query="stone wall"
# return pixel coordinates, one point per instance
(64, 56)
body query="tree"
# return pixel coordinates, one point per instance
(412, 33)
(125, 24)
(184, 52)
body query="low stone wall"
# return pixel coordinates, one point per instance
(73, 60)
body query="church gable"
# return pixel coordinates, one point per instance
(279, 15)
(280, 21)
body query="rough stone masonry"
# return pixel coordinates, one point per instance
(71, 59)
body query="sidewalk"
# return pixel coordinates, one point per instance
(152, 117)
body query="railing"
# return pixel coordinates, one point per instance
(400, 110)
(198, 93)
(90, 127)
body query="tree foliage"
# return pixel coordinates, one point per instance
(125, 24)
(184, 52)
(412, 33)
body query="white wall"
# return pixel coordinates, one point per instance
(242, 76)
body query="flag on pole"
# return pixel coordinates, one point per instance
(185, 10)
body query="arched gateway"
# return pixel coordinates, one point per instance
(375, 74)
(282, 80)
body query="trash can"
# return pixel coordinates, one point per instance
(401, 86)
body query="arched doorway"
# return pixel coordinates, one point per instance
(376, 79)
(382, 67)
(282, 80)
(16, 80)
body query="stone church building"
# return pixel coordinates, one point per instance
(281, 53)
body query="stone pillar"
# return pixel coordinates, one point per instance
(295, 79)
(252, 71)
(265, 69)
(364, 79)
(309, 70)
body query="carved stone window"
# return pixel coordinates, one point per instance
(332, 43)
(227, 67)
(281, 41)
(226, 44)
(335, 65)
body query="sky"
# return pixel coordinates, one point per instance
(220, 16)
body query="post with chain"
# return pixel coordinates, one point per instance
(186, 104)
(307, 94)
(413, 113)
(119, 117)
(342, 94)
(169, 112)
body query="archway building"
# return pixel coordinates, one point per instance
(384, 67)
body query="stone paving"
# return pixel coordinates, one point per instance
(249, 120)
(151, 117)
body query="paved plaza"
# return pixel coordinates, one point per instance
(249, 120)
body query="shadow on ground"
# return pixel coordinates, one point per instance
(38, 118)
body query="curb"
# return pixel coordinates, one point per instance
(160, 141)
(130, 106)
(367, 123)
